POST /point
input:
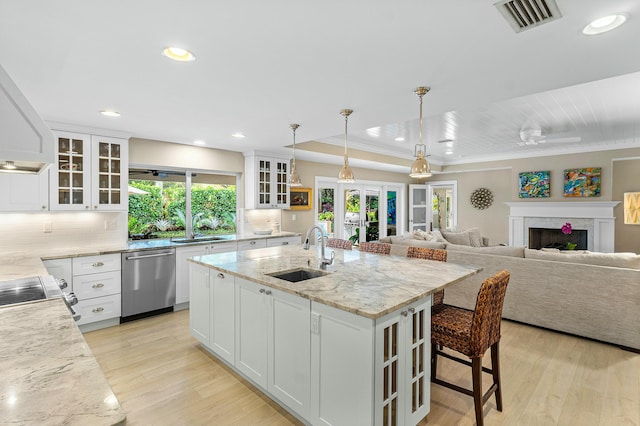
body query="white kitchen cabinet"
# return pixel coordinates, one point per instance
(402, 369)
(289, 351)
(222, 338)
(273, 342)
(252, 244)
(182, 265)
(61, 269)
(200, 306)
(342, 367)
(90, 173)
(24, 192)
(251, 331)
(266, 182)
(419, 208)
(97, 283)
(283, 241)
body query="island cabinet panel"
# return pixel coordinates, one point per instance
(289, 351)
(251, 331)
(223, 309)
(342, 367)
(403, 365)
(182, 270)
(200, 306)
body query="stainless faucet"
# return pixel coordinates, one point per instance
(324, 261)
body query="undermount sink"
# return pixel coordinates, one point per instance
(299, 274)
(196, 239)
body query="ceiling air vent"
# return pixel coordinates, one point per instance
(525, 14)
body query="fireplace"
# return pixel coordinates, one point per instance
(596, 217)
(554, 238)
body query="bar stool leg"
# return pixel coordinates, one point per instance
(476, 371)
(495, 367)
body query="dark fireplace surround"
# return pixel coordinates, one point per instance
(554, 238)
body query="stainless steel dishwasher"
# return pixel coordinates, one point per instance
(148, 283)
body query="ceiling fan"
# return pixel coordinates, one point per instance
(531, 134)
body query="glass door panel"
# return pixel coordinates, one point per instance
(352, 216)
(392, 213)
(326, 204)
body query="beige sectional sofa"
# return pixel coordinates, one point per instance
(594, 295)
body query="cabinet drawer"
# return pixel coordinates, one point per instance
(98, 309)
(252, 244)
(94, 264)
(283, 241)
(96, 285)
(223, 247)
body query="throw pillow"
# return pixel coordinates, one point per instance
(426, 235)
(475, 237)
(461, 238)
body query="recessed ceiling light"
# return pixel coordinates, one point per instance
(178, 54)
(109, 113)
(602, 25)
(399, 139)
(374, 132)
(238, 135)
(199, 142)
(448, 152)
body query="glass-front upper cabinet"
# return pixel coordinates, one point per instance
(110, 166)
(266, 182)
(90, 173)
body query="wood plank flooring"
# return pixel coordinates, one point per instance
(162, 376)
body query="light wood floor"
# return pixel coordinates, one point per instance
(162, 377)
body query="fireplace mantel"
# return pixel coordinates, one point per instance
(596, 216)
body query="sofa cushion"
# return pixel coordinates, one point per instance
(616, 260)
(416, 243)
(496, 250)
(460, 238)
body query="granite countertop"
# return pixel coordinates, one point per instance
(49, 376)
(365, 284)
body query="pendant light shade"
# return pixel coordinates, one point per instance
(294, 179)
(346, 174)
(420, 168)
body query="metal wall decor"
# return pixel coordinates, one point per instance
(481, 198)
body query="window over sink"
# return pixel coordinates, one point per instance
(158, 205)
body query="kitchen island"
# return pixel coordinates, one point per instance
(350, 346)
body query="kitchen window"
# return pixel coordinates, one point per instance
(159, 206)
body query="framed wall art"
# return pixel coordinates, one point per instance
(534, 184)
(582, 182)
(301, 199)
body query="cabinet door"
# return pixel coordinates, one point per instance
(417, 368)
(96, 285)
(264, 182)
(223, 315)
(419, 208)
(98, 309)
(182, 270)
(22, 192)
(289, 350)
(251, 331)
(199, 308)
(279, 187)
(110, 165)
(70, 175)
(341, 367)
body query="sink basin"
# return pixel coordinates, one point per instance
(299, 274)
(196, 239)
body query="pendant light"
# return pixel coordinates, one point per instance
(420, 168)
(294, 179)
(346, 174)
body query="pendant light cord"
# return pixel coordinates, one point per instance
(346, 118)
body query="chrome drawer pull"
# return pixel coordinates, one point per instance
(262, 290)
(253, 243)
(98, 264)
(98, 309)
(220, 275)
(99, 285)
(268, 292)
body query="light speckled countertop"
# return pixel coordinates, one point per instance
(49, 376)
(361, 283)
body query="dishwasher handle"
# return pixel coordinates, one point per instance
(146, 256)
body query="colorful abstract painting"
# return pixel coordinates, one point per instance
(582, 182)
(534, 185)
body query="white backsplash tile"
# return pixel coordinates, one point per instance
(262, 220)
(23, 233)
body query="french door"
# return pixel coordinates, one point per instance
(360, 212)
